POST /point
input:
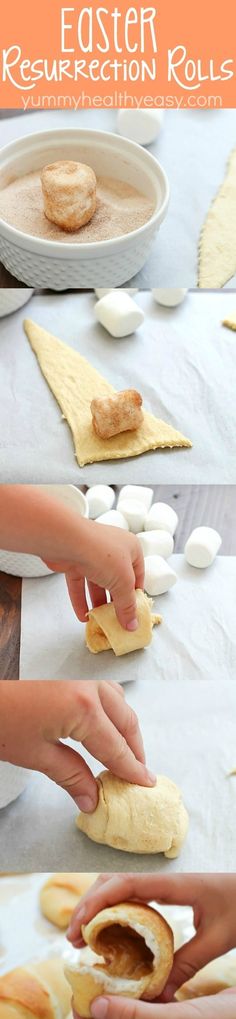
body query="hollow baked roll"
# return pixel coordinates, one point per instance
(135, 946)
(104, 632)
(137, 819)
(60, 895)
(119, 413)
(69, 193)
(38, 991)
(213, 978)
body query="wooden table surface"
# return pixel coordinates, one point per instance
(195, 505)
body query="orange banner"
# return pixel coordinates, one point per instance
(55, 55)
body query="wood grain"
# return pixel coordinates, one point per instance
(10, 623)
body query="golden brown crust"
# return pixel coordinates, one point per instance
(60, 895)
(217, 976)
(35, 992)
(138, 954)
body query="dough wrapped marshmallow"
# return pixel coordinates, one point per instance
(119, 413)
(69, 194)
(134, 949)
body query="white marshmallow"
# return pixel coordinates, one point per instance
(156, 543)
(141, 126)
(100, 499)
(119, 314)
(139, 492)
(134, 512)
(159, 576)
(114, 518)
(170, 297)
(161, 517)
(101, 291)
(202, 547)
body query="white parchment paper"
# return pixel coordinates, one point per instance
(196, 640)
(189, 735)
(193, 147)
(182, 360)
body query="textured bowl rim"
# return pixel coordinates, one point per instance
(41, 245)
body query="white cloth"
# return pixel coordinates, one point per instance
(193, 147)
(196, 640)
(182, 360)
(189, 735)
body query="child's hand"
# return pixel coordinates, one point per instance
(213, 900)
(110, 559)
(35, 717)
(217, 1006)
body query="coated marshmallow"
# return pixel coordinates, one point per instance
(159, 577)
(119, 314)
(170, 297)
(141, 126)
(202, 547)
(161, 517)
(156, 543)
(114, 518)
(134, 512)
(101, 291)
(139, 492)
(100, 499)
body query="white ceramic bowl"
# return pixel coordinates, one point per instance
(59, 265)
(10, 300)
(20, 564)
(13, 781)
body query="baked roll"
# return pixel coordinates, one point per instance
(136, 948)
(60, 895)
(119, 413)
(69, 194)
(38, 991)
(104, 632)
(137, 819)
(217, 976)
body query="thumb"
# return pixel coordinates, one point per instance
(128, 1008)
(68, 769)
(124, 598)
(191, 958)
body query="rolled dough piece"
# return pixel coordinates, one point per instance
(74, 383)
(230, 322)
(217, 253)
(134, 956)
(215, 977)
(60, 895)
(137, 819)
(104, 632)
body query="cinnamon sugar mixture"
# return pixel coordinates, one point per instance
(120, 210)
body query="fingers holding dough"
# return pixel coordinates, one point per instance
(104, 632)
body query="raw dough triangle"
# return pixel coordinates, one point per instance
(74, 383)
(230, 322)
(217, 254)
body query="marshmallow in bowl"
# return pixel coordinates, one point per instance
(139, 492)
(156, 543)
(161, 517)
(119, 314)
(202, 547)
(113, 518)
(100, 499)
(159, 577)
(101, 291)
(170, 297)
(134, 513)
(141, 126)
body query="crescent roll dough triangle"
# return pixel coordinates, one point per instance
(74, 383)
(217, 254)
(104, 632)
